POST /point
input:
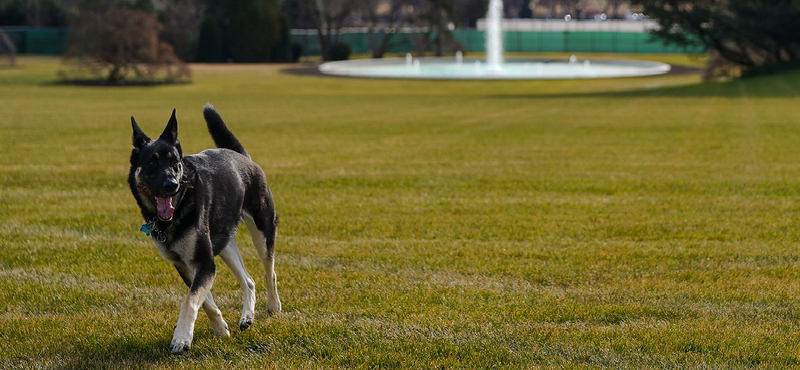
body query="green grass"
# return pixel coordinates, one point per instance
(619, 224)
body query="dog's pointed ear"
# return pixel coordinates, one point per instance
(170, 133)
(139, 137)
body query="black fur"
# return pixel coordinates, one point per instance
(223, 137)
(209, 192)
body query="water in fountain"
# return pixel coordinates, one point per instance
(495, 67)
(494, 35)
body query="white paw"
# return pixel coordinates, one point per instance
(181, 341)
(220, 329)
(273, 305)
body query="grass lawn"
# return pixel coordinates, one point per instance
(620, 223)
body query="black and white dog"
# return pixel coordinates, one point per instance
(192, 206)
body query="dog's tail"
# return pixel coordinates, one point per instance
(222, 136)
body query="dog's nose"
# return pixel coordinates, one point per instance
(170, 185)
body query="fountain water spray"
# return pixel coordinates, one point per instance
(494, 67)
(494, 36)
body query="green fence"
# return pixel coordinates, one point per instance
(52, 41)
(513, 41)
(573, 41)
(47, 41)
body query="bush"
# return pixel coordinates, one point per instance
(121, 46)
(771, 69)
(340, 51)
(297, 52)
(281, 52)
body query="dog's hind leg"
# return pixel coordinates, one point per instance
(263, 231)
(233, 259)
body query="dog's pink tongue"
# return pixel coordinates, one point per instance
(165, 208)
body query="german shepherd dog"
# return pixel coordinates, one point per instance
(192, 206)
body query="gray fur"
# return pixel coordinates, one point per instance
(210, 193)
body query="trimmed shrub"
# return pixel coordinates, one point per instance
(340, 51)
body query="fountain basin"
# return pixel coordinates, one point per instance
(478, 69)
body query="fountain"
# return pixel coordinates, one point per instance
(495, 66)
(494, 36)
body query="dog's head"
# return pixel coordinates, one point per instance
(156, 166)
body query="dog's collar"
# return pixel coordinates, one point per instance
(151, 228)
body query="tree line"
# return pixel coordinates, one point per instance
(743, 35)
(258, 30)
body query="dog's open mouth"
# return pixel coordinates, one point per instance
(165, 208)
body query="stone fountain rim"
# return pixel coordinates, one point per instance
(340, 68)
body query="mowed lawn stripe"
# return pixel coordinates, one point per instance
(619, 224)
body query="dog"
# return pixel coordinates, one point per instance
(192, 206)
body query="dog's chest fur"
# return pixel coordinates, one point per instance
(211, 200)
(180, 250)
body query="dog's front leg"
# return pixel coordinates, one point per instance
(218, 324)
(201, 285)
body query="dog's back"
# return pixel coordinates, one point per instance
(229, 172)
(257, 207)
(257, 199)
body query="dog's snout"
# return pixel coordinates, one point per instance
(170, 185)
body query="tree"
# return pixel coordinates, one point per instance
(525, 10)
(751, 34)
(283, 50)
(573, 7)
(476, 9)
(612, 7)
(382, 41)
(250, 29)
(327, 17)
(122, 44)
(7, 47)
(35, 13)
(440, 15)
(181, 20)
(209, 44)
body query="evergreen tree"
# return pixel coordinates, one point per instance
(752, 34)
(209, 44)
(250, 29)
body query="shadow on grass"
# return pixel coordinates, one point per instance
(303, 69)
(773, 86)
(123, 352)
(104, 83)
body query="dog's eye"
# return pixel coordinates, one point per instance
(152, 163)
